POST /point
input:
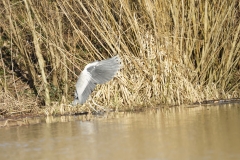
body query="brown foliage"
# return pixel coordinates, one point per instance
(174, 52)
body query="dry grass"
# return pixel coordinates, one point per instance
(173, 52)
(10, 106)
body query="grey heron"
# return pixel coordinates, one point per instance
(94, 73)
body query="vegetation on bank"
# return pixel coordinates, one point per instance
(174, 52)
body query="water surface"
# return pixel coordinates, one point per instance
(202, 132)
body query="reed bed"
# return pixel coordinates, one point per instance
(174, 52)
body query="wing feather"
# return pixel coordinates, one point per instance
(103, 71)
(84, 87)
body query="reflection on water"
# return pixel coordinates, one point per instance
(176, 133)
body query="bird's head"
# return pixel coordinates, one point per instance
(75, 101)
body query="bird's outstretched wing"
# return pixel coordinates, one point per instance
(103, 71)
(84, 87)
(98, 72)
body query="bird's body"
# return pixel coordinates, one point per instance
(98, 72)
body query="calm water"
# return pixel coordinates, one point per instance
(178, 133)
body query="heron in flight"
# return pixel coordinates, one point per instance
(94, 73)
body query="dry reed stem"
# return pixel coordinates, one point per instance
(174, 52)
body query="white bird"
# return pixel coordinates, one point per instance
(97, 72)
